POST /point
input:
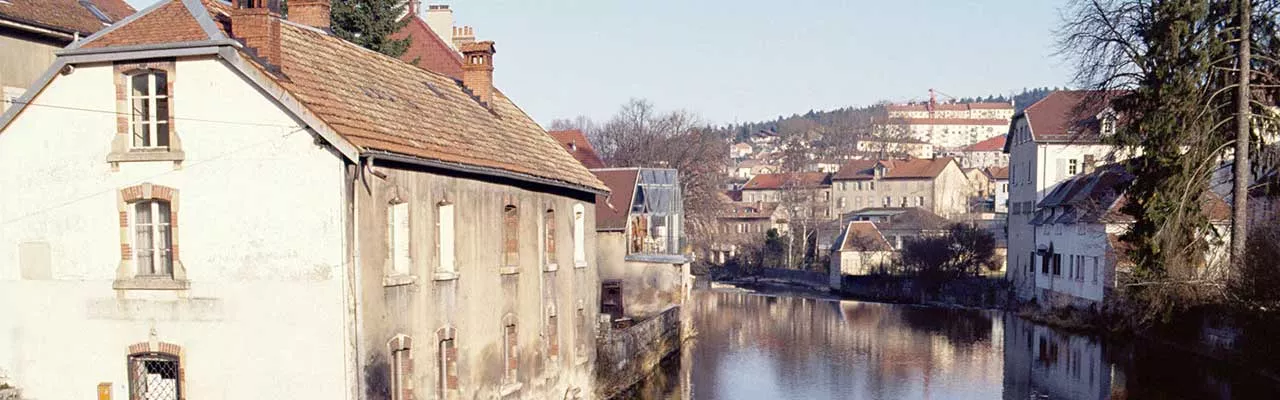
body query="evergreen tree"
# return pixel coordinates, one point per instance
(370, 24)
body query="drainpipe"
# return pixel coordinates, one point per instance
(355, 178)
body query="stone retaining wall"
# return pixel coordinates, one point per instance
(626, 356)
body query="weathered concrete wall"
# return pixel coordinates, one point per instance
(483, 294)
(628, 355)
(648, 288)
(26, 57)
(259, 227)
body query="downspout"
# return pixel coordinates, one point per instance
(355, 178)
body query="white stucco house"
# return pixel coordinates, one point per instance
(860, 250)
(1056, 138)
(208, 201)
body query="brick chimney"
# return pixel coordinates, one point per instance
(313, 13)
(257, 24)
(477, 70)
(440, 19)
(463, 35)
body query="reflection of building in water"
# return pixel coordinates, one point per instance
(1041, 361)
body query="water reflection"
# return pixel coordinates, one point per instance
(760, 347)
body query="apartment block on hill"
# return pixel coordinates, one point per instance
(948, 126)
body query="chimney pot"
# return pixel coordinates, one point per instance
(313, 13)
(257, 24)
(477, 69)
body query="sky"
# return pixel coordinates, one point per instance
(751, 60)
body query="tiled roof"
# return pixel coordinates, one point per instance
(577, 144)
(915, 168)
(379, 103)
(612, 211)
(996, 143)
(998, 173)
(950, 121)
(862, 236)
(66, 16)
(900, 219)
(749, 210)
(167, 23)
(1099, 197)
(950, 107)
(1066, 116)
(428, 50)
(798, 180)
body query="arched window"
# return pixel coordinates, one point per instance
(155, 371)
(401, 376)
(447, 363)
(553, 334)
(510, 351)
(153, 238)
(398, 239)
(148, 97)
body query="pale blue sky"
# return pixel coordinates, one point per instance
(749, 60)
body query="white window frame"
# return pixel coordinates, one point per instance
(446, 239)
(399, 239)
(579, 235)
(157, 249)
(153, 120)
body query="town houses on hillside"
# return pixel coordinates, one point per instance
(31, 31)
(389, 230)
(985, 154)
(802, 194)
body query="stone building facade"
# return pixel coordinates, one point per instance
(937, 185)
(249, 216)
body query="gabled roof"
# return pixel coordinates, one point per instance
(912, 168)
(612, 210)
(1067, 116)
(376, 103)
(65, 16)
(997, 173)
(428, 50)
(798, 180)
(901, 219)
(995, 143)
(862, 236)
(577, 144)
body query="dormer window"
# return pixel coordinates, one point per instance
(149, 109)
(1107, 122)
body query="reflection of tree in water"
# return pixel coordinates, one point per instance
(962, 328)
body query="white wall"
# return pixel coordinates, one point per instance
(260, 232)
(1069, 240)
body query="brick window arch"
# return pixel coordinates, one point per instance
(510, 350)
(401, 377)
(145, 128)
(447, 363)
(549, 238)
(156, 372)
(149, 247)
(553, 334)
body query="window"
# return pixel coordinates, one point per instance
(904, 201)
(888, 200)
(445, 239)
(1057, 264)
(1071, 267)
(553, 336)
(871, 185)
(511, 236)
(549, 241)
(154, 376)
(1095, 269)
(580, 329)
(149, 109)
(919, 201)
(1045, 261)
(1031, 262)
(579, 234)
(401, 377)
(447, 371)
(840, 203)
(1073, 166)
(153, 238)
(398, 238)
(510, 353)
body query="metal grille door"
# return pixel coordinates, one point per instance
(153, 377)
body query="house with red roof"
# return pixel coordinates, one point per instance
(984, 154)
(576, 143)
(808, 193)
(1051, 141)
(207, 184)
(935, 184)
(32, 30)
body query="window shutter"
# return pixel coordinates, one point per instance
(550, 222)
(445, 237)
(400, 238)
(1061, 170)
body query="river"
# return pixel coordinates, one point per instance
(751, 346)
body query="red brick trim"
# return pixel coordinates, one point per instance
(168, 349)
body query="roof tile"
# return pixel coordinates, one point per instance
(67, 16)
